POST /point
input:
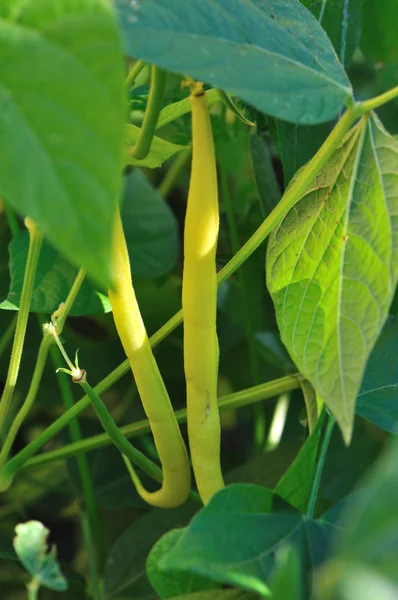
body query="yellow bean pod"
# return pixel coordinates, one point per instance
(199, 304)
(155, 399)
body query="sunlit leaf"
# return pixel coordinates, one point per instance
(332, 266)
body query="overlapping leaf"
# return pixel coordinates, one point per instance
(61, 124)
(332, 266)
(237, 537)
(274, 54)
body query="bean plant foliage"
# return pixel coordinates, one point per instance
(104, 115)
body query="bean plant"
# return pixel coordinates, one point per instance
(198, 330)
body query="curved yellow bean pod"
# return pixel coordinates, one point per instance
(199, 304)
(156, 402)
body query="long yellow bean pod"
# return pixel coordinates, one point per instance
(199, 304)
(155, 399)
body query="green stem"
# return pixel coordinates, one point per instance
(7, 336)
(292, 194)
(12, 219)
(133, 74)
(319, 467)
(39, 368)
(259, 421)
(120, 441)
(33, 589)
(30, 398)
(92, 562)
(35, 241)
(236, 400)
(65, 310)
(83, 468)
(376, 102)
(155, 101)
(174, 172)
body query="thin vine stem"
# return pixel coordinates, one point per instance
(66, 307)
(39, 368)
(155, 100)
(236, 400)
(120, 441)
(88, 535)
(94, 521)
(320, 464)
(368, 105)
(7, 336)
(35, 242)
(174, 172)
(33, 589)
(133, 73)
(29, 401)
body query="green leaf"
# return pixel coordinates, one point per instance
(235, 539)
(368, 541)
(332, 266)
(264, 175)
(379, 31)
(297, 144)
(182, 107)
(53, 281)
(150, 228)
(341, 19)
(218, 595)
(167, 584)
(30, 544)
(378, 399)
(296, 484)
(61, 132)
(125, 569)
(286, 582)
(274, 56)
(161, 150)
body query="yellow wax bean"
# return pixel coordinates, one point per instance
(156, 402)
(199, 304)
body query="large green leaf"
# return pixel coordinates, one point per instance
(379, 32)
(272, 54)
(378, 397)
(332, 266)
(61, 126)
(168, 583)
(53, 281)
(30, 544)
(366, 549)
(341, 19)
(236, 538)
(150, 228)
